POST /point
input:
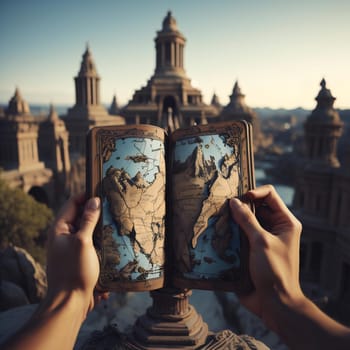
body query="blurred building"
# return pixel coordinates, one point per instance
(322, 203)
(38, 168)
(45, 154)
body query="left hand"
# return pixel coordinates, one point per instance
(72, 263)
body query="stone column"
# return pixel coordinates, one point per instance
(170, 322)
(97, 91)
(172, 54)
(162, 54)
(88, 91)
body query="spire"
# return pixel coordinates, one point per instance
(17, 94)
(87, 65)
(237, 100)
(215, 100)
(52, 114)
(17, 105)
(237, 109)
(236, 92)
(114, 108)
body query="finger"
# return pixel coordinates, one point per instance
(90, 217)
(245, 218)
(268, 196)
(66, 216)
(69, 210)
(274, 212)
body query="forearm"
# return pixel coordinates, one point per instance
(54, 325)
(302, 325)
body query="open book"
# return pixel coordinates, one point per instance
(165, 217)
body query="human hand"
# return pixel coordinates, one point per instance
(72, 263)
(274, 238)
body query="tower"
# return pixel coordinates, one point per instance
(87, 82)
(169, 100)
(321, 193)
(170, 45)
(19, 137)
(323, 129)
(19, 156)
(88, 110)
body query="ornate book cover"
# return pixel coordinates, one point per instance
(165, 217)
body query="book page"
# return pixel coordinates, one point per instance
(133, 206)
(207, 170)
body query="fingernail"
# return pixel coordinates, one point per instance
(93, 203)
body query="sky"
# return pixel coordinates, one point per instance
(277, 50)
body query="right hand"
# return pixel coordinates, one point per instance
(274, 239)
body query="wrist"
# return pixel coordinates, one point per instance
(295, 318)
(278, 306)
(72, 302)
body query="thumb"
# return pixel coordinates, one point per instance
(246, 219)
(90, 216)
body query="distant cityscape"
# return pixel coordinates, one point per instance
(263, 112)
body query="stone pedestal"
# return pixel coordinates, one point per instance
(171, 322)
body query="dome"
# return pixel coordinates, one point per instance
(17, 104)
(169, 23)
(324, 112)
